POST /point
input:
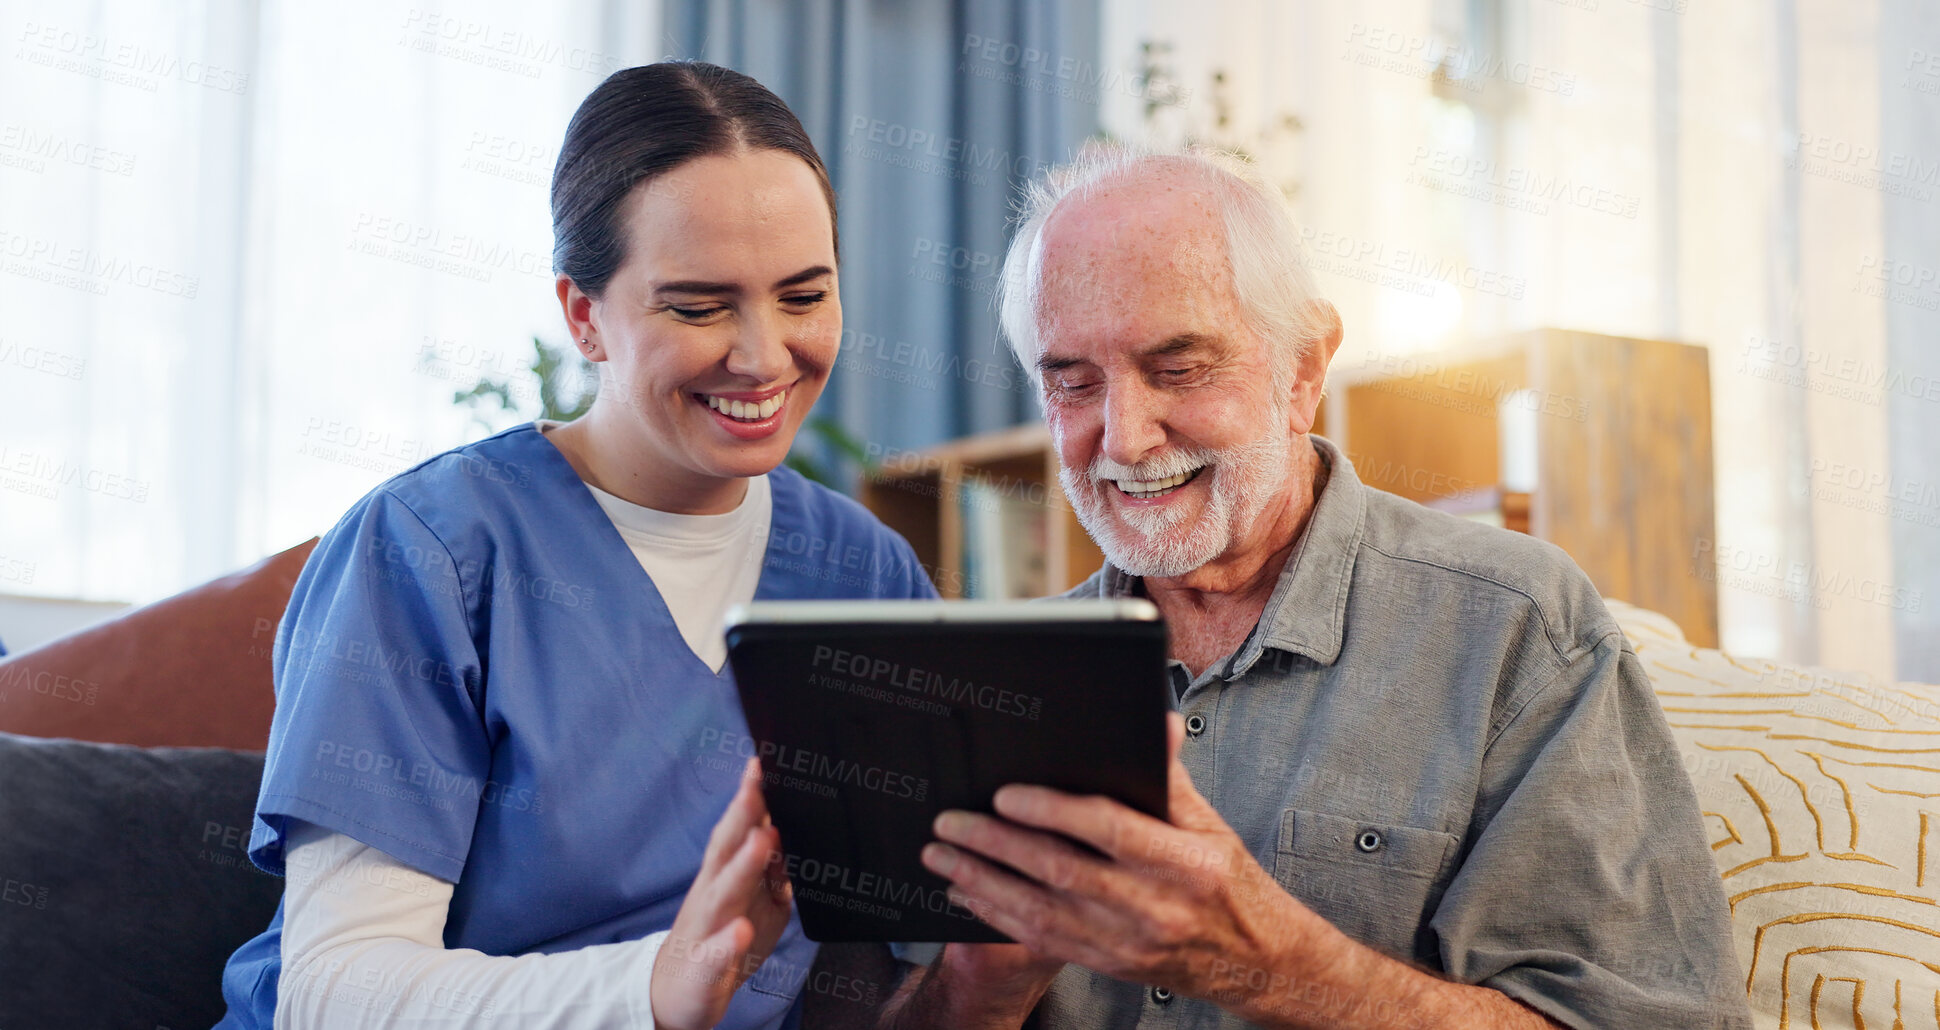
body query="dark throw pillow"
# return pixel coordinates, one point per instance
(124, 884)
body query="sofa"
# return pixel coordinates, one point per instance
(1822, 794)
(130, 755)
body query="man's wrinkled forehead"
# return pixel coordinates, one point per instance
(1137, 246)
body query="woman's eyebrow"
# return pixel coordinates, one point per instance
(701, 286)
(695, 286)
(805, 275)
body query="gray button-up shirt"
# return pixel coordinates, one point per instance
(1437, 738)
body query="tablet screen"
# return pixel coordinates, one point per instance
(869, 718)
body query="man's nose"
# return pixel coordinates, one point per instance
(1134, 422)
(760, 350)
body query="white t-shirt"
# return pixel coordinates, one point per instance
(363, 943)
(702, 564)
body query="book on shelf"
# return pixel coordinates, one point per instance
(1004, 540)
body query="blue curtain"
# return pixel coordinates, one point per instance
(928, 115)
(1909, 123)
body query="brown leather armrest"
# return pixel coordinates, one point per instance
(190, 670)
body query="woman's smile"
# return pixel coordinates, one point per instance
(747, 415)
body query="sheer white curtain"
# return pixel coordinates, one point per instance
(249, 250)
(1763, 179)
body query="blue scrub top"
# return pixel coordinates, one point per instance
(475, 676)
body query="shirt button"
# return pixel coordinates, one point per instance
(1161, 995)
(1195, 725)
(1369, 841)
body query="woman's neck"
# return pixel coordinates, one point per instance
(615, 460)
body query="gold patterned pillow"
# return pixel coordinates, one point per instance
(1822, 795)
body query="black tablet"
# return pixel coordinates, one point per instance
(870, 717)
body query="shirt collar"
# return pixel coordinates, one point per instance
(1307, 610)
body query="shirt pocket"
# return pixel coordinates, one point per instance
(1378, 882)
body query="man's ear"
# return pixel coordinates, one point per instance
(1311, 374)
(579, 310)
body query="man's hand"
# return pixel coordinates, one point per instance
(972, 987)
(1005, 970)
(1178, 903)
(731, 918)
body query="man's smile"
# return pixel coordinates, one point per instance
(1153, 489)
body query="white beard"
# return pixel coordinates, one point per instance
(1151, 542)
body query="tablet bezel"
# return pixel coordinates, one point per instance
(877, 612)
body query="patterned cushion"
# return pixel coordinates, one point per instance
(1822, 794)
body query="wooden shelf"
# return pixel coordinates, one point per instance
(920, 495)
(1623, 453)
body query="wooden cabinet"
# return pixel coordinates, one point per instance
(1621, 433)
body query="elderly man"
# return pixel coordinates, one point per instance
(1419, 778)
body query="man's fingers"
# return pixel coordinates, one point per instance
(1119, 832)
(991, 894)
(1186, 808)
(995, 916)
(1043, 857)
(1014, 907)
(1112, 828)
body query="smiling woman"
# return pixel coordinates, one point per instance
(718, 330)
(534, 833)
(714, 339)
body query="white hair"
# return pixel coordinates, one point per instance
(1270, 276)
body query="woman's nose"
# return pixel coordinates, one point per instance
(760, 350)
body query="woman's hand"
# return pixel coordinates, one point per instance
(732, 916)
